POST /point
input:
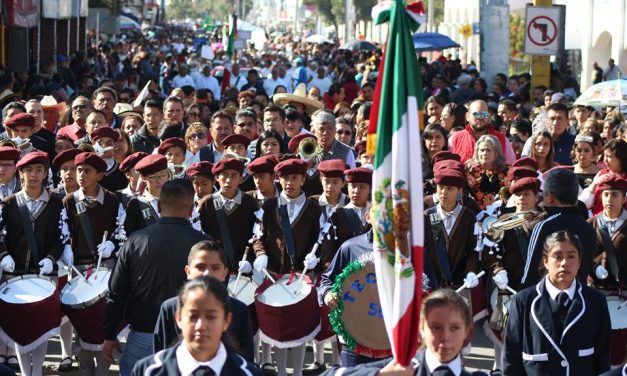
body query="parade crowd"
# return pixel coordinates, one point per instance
(150, 194)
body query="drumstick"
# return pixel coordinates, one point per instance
(104, 239)
(511, 290)
(622, 305)
(300, 279)
(239, 274)
(80, 274)
(265, 271)
(462, 287)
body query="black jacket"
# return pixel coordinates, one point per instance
(532, 346)
(149, 270)
(164, 363)
(143, 141)
(167, 332)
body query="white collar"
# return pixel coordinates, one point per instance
(455, 212)
(284, 200)
(350, 205)
(187, 364)
(237, 198)
(110, 163)
(454, 365)
(99, 197)
(553, 291)
(621, 218)
(44, 196)
(147, 196)
(340, 204)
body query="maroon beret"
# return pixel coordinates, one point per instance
(130, 161)
(333, 168)
(526, 161)
(104, 132)
(170, 143)
(521, 172)
(449, 164)
(35, 157)
(65, 156)
(228, 164)
(200, 168)
(9, 153)
(151, 164)
(262, 164)
(291, 167)
(21, 119)
(444, 155)
(523, 184)
(236, 139)
(359, 175)
(92, 160)
(449, 177)
(294, 142)
(613, 183)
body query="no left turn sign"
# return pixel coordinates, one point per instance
(542, 31)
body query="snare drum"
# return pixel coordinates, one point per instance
(83, 303)
(287, 318)
(30, 311)
(618, 335)
(246, 294)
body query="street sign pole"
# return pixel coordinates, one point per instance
(541, 64)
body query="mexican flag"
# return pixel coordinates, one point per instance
(231, 35)
(394, 138)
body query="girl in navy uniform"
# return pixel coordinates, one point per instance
(203, 315)
(445, 328)
(558, 326)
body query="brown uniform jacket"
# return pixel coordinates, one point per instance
(45, 224)
(305, 230)
(619, 241)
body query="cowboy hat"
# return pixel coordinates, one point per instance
(48, 102)
(299, 96)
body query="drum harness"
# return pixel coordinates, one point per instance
(437, 227)
(27, 225)
(222, 225)
(288, 237)
(81, 210)
(612, 263)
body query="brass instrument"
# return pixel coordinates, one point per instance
(23, 143)
(235, 156)
(494, 228)
(309, 149)
(504, 194)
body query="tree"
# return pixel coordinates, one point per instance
(363, 9)
(325, 8)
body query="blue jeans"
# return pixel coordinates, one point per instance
(138, 346)
(350, 359)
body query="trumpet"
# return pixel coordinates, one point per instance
(245, 160)
(309, 149)
(494, 228)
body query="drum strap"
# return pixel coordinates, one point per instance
(354, 221)
(27, 226)
(440, 244)
(148, 213)
(523, 243)
(429, 270)
(222, 225)
(609, 251)
(81, 210)
(287, 234)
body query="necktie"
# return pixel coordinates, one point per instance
(563, 300)
(443, 371)
(291, 208)
(229, 204)
(203, 371)
(34, 206)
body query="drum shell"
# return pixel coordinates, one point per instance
(618, 334)
(326, 330)
(251, 307)
(291, 324)
(42, 316)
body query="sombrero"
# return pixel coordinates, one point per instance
(299, 96)
(48, 102)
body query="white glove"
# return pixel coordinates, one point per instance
(311, 261)
(105, 249)
(471, 281)
(261, 262)
(45, 266)
(7, 264)
(67, 257)
(601, 272)
(501, 279)
(244, 267)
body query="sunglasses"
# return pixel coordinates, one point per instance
(197, 136)
(481, 115)
(193, 114)
(348, 133)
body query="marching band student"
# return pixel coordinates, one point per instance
(283, 248)
(559, 326)
(143, 210)
(9, 183)
(203, 315)
(22, 127)
(91, 211)
(452, 231)
(333, 181)
(103, 139)
(445, 329)
(359, 185)
(206, 258)
(312, 185)
(174, 149)
(237, 144)
(33, 241)
(262, 170)
(64, 163)
(199, 173)
(128, 168)
(229, 215)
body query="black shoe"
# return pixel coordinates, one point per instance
(65, 365)
(314, 369)
(268, 369)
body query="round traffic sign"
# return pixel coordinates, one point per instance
(546, 28)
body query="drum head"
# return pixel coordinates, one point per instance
(26, 289)
(362, 314)
(245, 289)
(81, 292)
(618, 317)
(281, 294)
